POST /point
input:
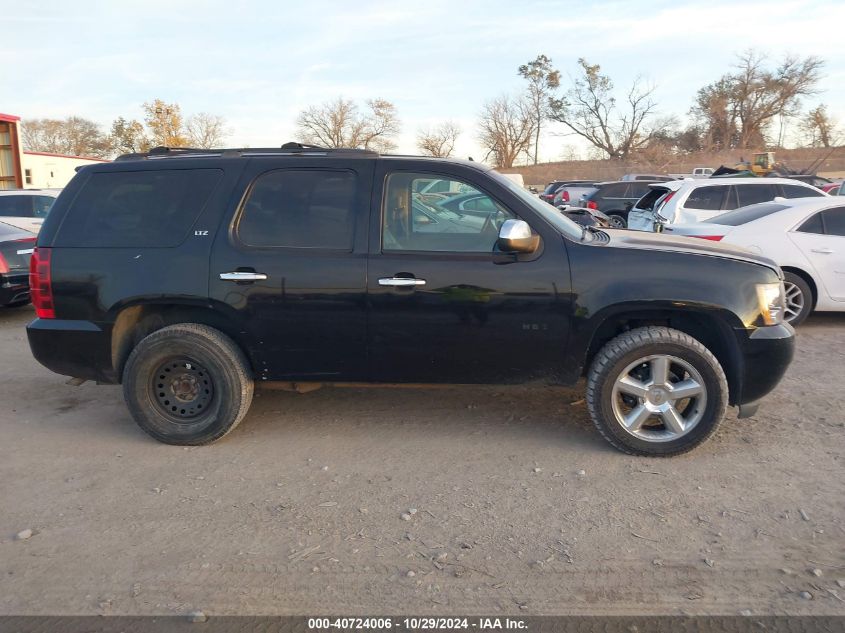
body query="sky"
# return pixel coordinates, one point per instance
(259, 63)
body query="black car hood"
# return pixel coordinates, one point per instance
(621, 238)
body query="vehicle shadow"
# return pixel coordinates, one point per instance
(541, 415)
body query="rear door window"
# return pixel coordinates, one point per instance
(153, 208)
(300, 208)
(813, 224)
(637, 190)
(752, 194)
(616, 190)
(706, 198)
(834, 221)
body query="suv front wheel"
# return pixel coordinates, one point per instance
(187, 384)
(656, 391)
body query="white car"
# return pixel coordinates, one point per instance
(806, 237)
(699, 200)
(26, 208)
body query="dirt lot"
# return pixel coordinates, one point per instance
(512, 503)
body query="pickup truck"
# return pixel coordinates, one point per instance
(698, 172)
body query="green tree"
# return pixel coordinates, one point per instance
(128, 136)
(165, 124)
(543, 81)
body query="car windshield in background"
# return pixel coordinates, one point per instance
(548, 212)
(748, 214)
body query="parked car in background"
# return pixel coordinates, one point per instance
(686, 201)
(811, 179)
(698, 172)
(26, 208)
(831, 188)
(573, 195)
(804, 236)
(188, 276)
(16, 247)
(615, 199)
(551, 189)
(649, 177)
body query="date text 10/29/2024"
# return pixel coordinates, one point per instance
(417, 624)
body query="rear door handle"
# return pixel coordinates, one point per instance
(242, 275)
(401, 281)
(823, 251)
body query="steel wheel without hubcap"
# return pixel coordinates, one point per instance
(794, 301)
(659, 398)
(182, 388)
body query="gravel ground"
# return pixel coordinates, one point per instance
(441, 501)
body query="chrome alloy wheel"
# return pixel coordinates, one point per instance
(794, 301)
(659, 398)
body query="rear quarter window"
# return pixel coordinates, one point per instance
(797, 191)
(706, 198)
(153, 208)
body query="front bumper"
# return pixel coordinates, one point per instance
(767, 353)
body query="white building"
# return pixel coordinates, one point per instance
(42, 170)
(33, 170)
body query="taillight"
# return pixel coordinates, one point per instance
(715, 238)
(667, 199)
(592, 205)
(565, 196)
(40, 284)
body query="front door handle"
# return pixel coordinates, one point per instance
(823, 251)
(243, 275)
(401, 281)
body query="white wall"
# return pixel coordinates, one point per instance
(48, 171)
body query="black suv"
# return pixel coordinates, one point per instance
(615, 199)
(189, 276)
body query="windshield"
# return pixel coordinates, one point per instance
(549, 213)
(747, 214)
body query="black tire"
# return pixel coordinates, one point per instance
(211, 392)
(617, 221)
(806, 294)
(619, 353)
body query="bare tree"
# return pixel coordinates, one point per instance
(590, 110)
(543, 80)
(338, 123)
(507, 129)
(737, 110)
(760, 95)
(206, 131)
(438, 141)
(820, 128)
(75, 136)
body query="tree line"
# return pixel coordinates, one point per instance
(746, 108)
(163, 124)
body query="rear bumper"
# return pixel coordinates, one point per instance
(767, 353)
(14, 287)
(80, 349)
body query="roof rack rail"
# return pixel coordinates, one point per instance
(291, 147)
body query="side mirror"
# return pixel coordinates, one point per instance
(515, 236)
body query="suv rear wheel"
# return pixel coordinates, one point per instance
(656, 391)
(187, 384)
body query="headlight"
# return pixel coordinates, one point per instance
(770, 297)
